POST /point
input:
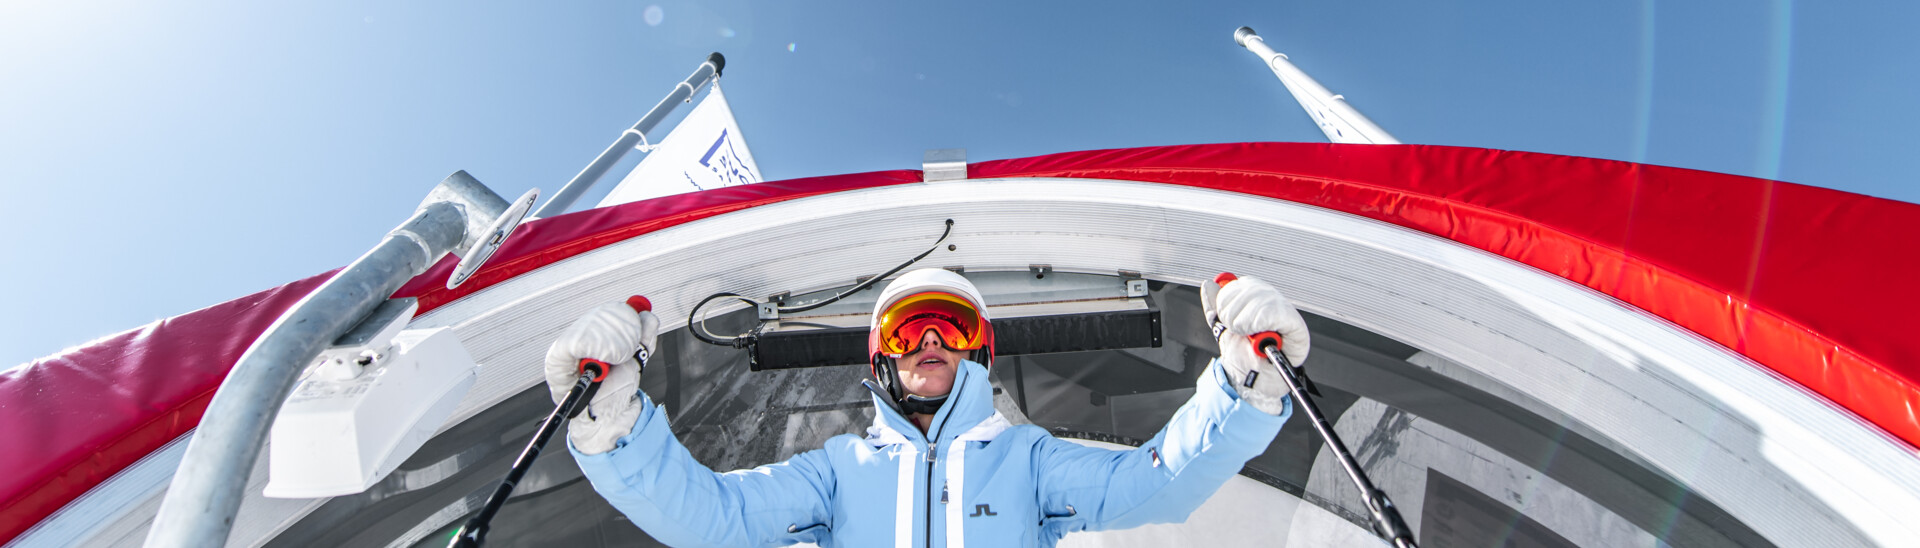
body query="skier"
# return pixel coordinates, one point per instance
(939, 467)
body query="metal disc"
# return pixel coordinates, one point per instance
(497, 234)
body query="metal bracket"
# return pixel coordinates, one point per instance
(482, 207)
(356, 351)
(944, 164)
(770, 310)
(1040, 271)
(1136, 286)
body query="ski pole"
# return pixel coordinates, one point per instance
(1386, 517)
(591, 373)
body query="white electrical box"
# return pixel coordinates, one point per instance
(364, 406)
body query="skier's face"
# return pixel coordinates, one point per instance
(928, 371)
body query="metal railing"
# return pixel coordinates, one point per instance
(207, 489)
(460, 214)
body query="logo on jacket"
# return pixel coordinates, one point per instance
(982, 510)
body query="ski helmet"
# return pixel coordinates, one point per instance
(922, 300)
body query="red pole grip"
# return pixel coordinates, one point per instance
(594, 370)
(1262, 339)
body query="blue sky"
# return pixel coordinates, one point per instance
(162, 157)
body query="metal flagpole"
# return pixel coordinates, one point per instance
(706, 72)
(1336, 118)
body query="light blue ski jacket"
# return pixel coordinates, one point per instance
(982, 482)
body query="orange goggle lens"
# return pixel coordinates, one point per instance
(904, 324)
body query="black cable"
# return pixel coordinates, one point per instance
(699, 327)
(875, 279)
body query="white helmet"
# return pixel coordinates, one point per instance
(937, 294)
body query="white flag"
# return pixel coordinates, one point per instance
(704, 152)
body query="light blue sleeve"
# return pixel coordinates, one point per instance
(650, 477)
(1206, 442)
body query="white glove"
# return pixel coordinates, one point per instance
(611, 333)
(1245, 306)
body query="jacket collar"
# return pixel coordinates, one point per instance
(969, 411)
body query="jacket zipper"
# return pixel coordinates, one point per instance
(933, 450)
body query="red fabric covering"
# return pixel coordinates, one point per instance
(70, 421)
(548, 241)
(1812, 283)
(124, 396)
(1815, 284)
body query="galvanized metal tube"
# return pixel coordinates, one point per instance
(1339, 120)
(206, 492)
(594, 171)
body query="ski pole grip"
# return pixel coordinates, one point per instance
(1264, 339)
(639, 304)
(594, 370)
(1260, 340)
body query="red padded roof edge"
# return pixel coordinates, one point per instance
(1815, 284)
(72, 420)
(1806, 281)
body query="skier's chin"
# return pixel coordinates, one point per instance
(928, 384)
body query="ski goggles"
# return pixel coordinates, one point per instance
(904, 324)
